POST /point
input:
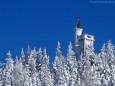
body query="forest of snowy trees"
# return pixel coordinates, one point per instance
(34, 69)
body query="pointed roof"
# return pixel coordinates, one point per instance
(78, 23)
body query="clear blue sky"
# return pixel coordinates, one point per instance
(41, 23)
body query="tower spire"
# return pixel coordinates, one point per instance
(78, 23)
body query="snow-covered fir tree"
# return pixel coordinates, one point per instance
(18, 72)
(44, 73)
(59, 68)
(8, 71)
(74, 78)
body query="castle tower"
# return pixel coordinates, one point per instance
(82, 41)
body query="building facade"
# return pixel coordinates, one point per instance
(83, 42)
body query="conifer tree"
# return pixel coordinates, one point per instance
(58, 67)
(39, 59)
(44, 73)
(18, 73)
(22, 56)
(7, 72)
(72, 67)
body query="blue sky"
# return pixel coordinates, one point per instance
(41, 23)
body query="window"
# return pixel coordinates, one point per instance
(80, 40)
(89, 36)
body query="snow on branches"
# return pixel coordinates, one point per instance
(34, 69)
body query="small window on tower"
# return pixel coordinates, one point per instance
(89, 36)
(80, 40)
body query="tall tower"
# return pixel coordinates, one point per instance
(82, 41)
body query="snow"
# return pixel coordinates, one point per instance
(32, 68)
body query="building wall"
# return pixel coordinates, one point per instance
(82, 42)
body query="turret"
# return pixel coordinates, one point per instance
(78, 28)
(78, 31)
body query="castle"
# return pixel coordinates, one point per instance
(82, 41)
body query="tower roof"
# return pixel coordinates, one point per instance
(78, 23)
